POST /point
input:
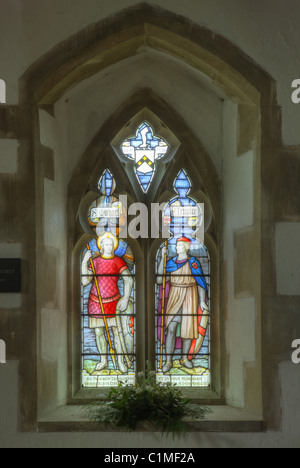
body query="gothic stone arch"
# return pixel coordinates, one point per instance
(244, 83)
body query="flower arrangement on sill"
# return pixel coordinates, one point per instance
(162, 406)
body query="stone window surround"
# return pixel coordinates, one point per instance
(251, 88)
(160, 192)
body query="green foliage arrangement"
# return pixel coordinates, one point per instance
(162, 406)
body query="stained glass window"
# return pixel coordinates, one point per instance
(183, 295)
(145, 149)
(107, 295)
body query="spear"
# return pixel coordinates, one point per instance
(163, 309)
(111, 349)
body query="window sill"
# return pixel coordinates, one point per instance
(221, 419)
(202, 396)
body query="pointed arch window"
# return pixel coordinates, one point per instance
(107, 295)
(179, 318)
(183, 295)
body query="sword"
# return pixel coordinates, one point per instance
(111, 350)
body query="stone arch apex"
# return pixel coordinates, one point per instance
(131, 32)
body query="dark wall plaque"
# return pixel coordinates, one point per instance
(10, 275)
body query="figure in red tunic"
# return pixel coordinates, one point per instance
(108, 269)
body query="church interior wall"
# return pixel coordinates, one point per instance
(35, 173)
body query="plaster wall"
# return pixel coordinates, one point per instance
(238, 215)
(8, 156)
(52, 278)
(287, 238)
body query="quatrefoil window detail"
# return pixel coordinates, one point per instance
(145, 149)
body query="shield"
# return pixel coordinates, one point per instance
(198, 345)
(145, 167)
(145, 160)
(145, 157)
(125, 326)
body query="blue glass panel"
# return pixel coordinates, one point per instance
(182, 184)
(107, 184)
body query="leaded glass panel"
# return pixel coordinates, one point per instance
(145, 148)
(107, 296)
(183, 295)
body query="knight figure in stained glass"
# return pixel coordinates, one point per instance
(145, 149)
(108, 296)
(182, 296)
